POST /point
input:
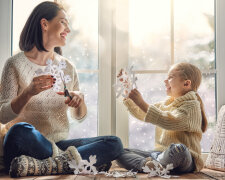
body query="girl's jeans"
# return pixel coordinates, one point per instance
(24, 139)
(177, 154)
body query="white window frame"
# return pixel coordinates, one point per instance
(119, 124)
(112, 115)
(5, 31)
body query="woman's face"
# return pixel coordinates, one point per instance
(57, 30)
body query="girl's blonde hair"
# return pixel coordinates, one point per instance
(190, 72)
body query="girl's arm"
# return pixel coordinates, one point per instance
(135, 110)
(184, 118)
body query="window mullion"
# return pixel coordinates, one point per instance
(105, 97)
(122, 57)
(220, 53)
(172, 32)
(5, 31)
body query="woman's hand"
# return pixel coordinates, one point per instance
(77, 98)
(136, 96)
(39, 84)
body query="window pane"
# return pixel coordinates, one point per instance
(87, 128)
(82, 49)
(142, 134)
(207, 92)
(82, 41)
(194, 32)
(149, 34)
(194, 42)
(20, 16)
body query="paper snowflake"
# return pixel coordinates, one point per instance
(125, 82)
(118, 174)
(56, 71)
(84, 167)
(158, 170)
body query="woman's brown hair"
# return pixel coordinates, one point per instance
(190, 72)
(31, 34)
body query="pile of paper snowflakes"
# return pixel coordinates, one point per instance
(56, 71)
(125, 82)
(84, 167)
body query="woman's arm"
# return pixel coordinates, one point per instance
(37, 85)
(8, 91)
(77, 105)
(20, 101)
(12, 103)
(81, 110)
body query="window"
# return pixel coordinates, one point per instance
(19, 19)
(151, 35)
(161, 33)
(82, 50)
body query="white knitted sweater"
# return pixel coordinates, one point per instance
(46, 111)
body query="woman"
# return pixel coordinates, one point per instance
(35, 116)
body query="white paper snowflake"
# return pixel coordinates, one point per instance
(158, 170)
(84, 167)
(125, 83)
(56, 72)
(118, 174)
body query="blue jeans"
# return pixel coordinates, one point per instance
(177, 154)
(24, 139)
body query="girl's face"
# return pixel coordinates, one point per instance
(57, 30)
(175, 86)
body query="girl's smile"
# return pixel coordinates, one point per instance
(175, 85)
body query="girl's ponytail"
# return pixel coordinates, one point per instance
(204, 119)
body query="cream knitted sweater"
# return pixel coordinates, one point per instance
(177, 121)
(46, 111)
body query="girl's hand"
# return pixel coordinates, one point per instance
(125, 81)
(39, 84)
(120, 74)
(77, 98)
(136, 96)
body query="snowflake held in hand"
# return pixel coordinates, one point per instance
(56, 72)
(125, 82)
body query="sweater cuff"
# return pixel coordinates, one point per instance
(128, 102)
(152, 115)
(135, 110)
(8, 113)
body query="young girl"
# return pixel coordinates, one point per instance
(180, 122)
